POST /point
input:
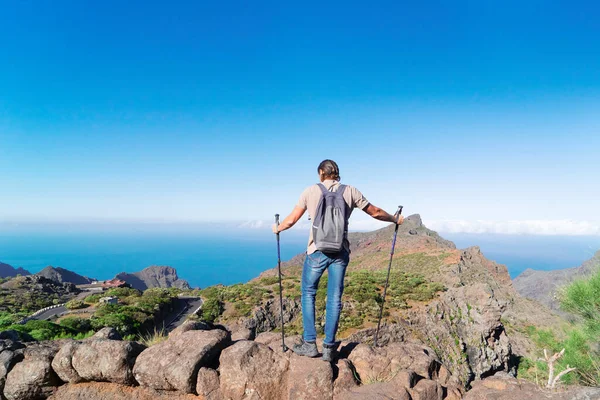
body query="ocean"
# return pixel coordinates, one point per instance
(206, 257)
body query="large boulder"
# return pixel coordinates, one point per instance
(174, 363)
(32, 378)
(383, 363)
(252, 370)
(309, 379)
(105, 360)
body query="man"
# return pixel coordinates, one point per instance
(318, 261)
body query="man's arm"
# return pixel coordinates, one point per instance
(290, 220)
(381, 215)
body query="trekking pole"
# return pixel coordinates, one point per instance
(387, 280)
(283, 346)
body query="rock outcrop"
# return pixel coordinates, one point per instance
(61, 275)
(153, 277)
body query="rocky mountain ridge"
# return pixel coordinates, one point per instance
(153, 277)
(8, 271)
(543, 286)
(62, 275)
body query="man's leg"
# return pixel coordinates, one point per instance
(314, 265)
(335, 289)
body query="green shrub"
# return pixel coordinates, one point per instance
(76, 324)
(582, 298)
(75, 304)
(211, 310)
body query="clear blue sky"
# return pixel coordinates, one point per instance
(204, 111)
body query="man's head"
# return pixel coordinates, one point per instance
(328, 169)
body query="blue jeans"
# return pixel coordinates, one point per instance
(314, 266)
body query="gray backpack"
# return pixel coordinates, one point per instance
(330, 224)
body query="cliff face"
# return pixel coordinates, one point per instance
(62, 275)
(544, 285)
(8, 271)
(152, 277)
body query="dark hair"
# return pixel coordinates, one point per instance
(330, 170)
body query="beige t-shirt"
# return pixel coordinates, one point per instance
(309, 200)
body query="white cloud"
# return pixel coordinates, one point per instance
(530, 227)
(256, 224)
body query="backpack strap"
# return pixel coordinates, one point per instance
(323, 189)
(341, 190)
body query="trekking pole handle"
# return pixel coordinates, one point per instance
(277, 222)
(397, 215)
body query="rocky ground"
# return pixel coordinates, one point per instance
(202, 361)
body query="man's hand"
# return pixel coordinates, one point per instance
(399, 219)
(289, 221)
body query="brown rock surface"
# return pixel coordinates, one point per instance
(62, 363)
(105, 360)
(374, 391)
(344, 376)
(252, 370)
(113, 391)
(383, 363)
(309, 379)
(208, 384)
(174, 363)
(427, 389)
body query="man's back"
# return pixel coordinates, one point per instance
(309, 200)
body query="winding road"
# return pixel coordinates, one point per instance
(186, 307)
(50, 313)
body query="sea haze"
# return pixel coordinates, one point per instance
(211, 254)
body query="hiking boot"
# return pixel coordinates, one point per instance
(308, 349)
(329, 352)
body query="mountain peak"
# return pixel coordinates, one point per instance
(62, 275)
(8, 271)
